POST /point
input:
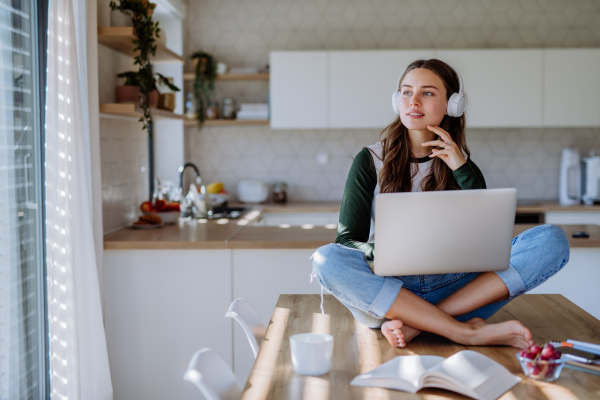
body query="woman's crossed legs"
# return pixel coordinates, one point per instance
(453, 305)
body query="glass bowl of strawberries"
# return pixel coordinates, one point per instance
(541, 363)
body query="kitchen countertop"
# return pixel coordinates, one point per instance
(229, 234)
(525, 207)
(183, 235)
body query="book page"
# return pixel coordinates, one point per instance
(400, 373)
(472, 374)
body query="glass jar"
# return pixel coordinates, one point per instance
(212, 112)
(229, 108)
(190, 107)
(279, 192)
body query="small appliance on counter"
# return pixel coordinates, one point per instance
(591, 180)
(253, 191)
(570, 177)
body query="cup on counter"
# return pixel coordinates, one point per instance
(311, 353)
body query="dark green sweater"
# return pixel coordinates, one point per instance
(355, 213)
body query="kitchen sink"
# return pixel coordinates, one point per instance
(228, 212)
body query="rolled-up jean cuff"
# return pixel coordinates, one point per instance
(513, 281)
(385, 298)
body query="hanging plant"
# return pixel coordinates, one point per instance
(133, 78)
(147, 31)
(204, 82)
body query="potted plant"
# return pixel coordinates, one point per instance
(147, 31)
(205, 66)
(166, 98)
(131, 93)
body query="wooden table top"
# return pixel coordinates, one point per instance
(358, 349)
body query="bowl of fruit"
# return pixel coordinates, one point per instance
(541, 363)
(168, 212)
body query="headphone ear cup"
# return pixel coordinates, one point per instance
(456, 105)
(395, 102)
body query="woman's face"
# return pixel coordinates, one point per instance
(422, 99)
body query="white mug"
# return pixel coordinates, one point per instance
(311, 353)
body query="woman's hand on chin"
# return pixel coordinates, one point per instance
(450, 153)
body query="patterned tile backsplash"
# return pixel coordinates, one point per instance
(527, 159)
(241, 33)
(124, 157)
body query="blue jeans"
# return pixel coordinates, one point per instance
(535, 256)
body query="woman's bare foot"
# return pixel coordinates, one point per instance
(397, 333)
(509, 333)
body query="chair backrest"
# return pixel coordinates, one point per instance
(211, 374)
(248, 318)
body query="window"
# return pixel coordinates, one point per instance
(23, 337)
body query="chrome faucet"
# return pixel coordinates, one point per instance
(196, 206)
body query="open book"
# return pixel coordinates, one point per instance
(466, 372)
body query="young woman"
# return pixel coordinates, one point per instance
(424, 149)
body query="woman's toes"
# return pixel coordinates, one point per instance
(392, 332)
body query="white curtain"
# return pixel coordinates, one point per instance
(79, 361)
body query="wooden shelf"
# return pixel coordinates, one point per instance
(120, 38)
(189, 76)
(227, 122)
(132, 111)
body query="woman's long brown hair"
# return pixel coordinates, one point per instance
(396, 174)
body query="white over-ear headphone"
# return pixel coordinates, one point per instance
(456, 102)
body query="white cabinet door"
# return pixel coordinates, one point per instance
(572, 87)
(577, 281)
(260, 276)
(298, 86)
(162, 306)
(503, 87)
(361, 84)
(572, 218)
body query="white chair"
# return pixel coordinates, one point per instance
(211, 374)
(250, 321)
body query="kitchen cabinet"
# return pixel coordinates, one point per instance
(298, 90)
(572, 217)
(162, 306)
(572, 87)
(260, 276)
(503, 87)
(361, 84)
(577, 281)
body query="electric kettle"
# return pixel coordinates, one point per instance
(591, 180)
(569, 192)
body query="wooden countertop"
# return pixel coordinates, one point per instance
(358, 349)
(228, 234)
(274, 237)
(213, 235)
(529, 207)
(194, 234)
(332, 206)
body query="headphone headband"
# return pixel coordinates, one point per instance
(460, 82)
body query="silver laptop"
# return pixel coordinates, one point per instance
(444, 231)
